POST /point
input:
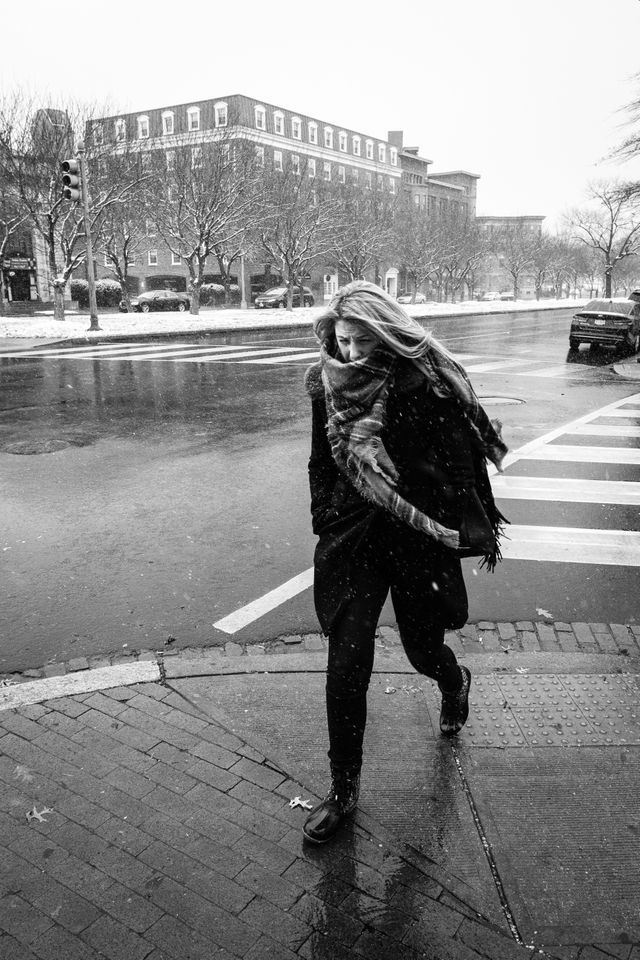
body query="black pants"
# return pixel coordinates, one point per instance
(428, 595)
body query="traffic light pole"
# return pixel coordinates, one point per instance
(91, 277)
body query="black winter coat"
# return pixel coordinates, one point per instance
(428, 440)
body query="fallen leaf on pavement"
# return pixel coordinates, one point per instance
(299, 802)
(38, 814)
(390, 690)
(544, 613)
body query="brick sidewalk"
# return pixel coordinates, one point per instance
(167, 836)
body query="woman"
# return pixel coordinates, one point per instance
(399, 491)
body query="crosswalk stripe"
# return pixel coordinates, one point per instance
(224, 358)
(629, 413)
(569, 453)
(603, 430)
(269, 601)
(566, 490)
(565, 368)
(297, 356)
(497, 365)
(572, 545)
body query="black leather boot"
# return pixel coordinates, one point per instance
(341, 800)
(455, 706)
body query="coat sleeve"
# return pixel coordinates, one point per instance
(323, 472)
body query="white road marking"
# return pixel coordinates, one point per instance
(562, 369)
(602, 430)
(225, 358)
(566, 490)
(497, 365)
(289, 359)
(572, 545)
(85, 681)
(557, 452)
(257, 608)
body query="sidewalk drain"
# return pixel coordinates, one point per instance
(488, 401)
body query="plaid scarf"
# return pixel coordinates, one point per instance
(356, 397)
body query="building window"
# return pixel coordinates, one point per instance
(342, 141)
(326, 172)
(150, 228)
(107, 261)
(278, 122)
(176, 259)
(220, 114)
(393, 156)
(369, 149)
(196, 158)
(277, 160)
(328, 137)
(261, 118)
(341, 175)
(313, 132)
(121, 130)
(131, 259)
(355, 174)
(356, 146)
(193, 119)
(296, 128)
(379, 181)
(260, 156)
(98, 134)
(171, 161)
(382, 153)
(295, 163)
(416, 199)
(392, 185)
(152, 258)
(311, 167)
(368, 179)
(167, 123)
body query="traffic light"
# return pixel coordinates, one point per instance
(71, 180)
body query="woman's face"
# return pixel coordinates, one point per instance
(354, 340)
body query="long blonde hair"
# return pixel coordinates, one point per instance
(370, 306)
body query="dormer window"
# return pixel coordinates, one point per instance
(261, 118)
(369, 149)
(313, 132)
(356, 146)
(278, 122)
(296, 128)
(121, 130)
(328, 137)
(342, 141)
(193, 119)
(382, 153)
(220, 114)
(168, 127)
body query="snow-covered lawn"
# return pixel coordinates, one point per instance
(145, 324)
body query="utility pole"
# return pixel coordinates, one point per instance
(91, 277)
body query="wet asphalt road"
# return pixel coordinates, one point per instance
(174, 492)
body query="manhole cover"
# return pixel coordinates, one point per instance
(489, 401)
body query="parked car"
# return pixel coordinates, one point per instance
(507, 296)
(614, 322)
(158, 300)
(490, 295)
(408, 298)
(277, 297)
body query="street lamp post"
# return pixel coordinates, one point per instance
(91, 277)
(243, 284)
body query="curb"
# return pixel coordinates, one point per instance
(539, 647)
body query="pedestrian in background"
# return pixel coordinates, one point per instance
(399, 492)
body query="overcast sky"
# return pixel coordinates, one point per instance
(528, 96)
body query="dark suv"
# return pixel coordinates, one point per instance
(607, 323)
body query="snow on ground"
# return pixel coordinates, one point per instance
(75, 326)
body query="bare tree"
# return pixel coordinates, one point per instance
(418, 242)
(203, 199)
(610, 225)
(295, 223)
(363, 228)
(544, 253)
(33, 143)
(514, 248)
(462, 249)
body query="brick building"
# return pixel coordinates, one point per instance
(502, 232)
(281, 136)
